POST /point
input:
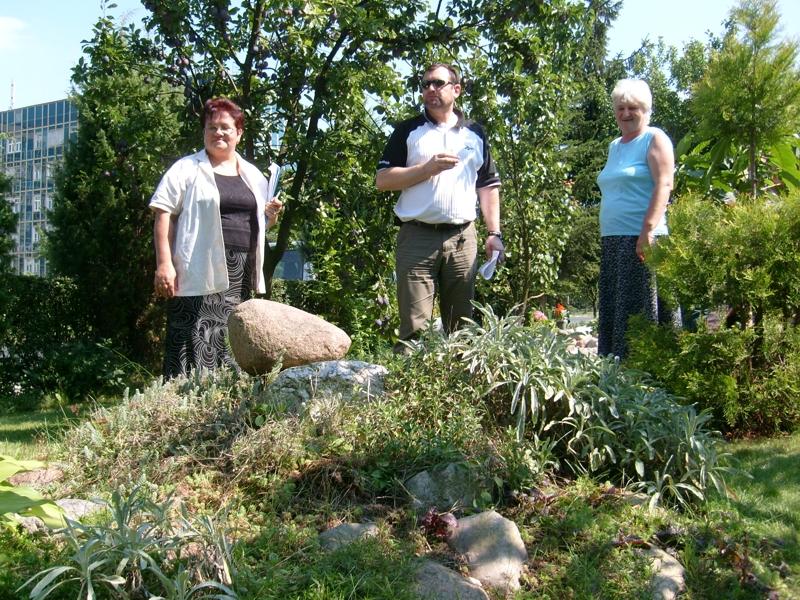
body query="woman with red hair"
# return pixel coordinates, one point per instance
(211, 217)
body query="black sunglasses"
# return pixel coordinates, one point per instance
(436, 83)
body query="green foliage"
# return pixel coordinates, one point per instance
(23, 554)
(715, 370)
(349, 238)
(48, 347)
(142, 552)
(743, 255)
(747, 102)
(580, 263)
(8, 222)
(600, 417)
(24, 500)
(521, 89)
(126, 137)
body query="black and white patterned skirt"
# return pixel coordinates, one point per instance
(197, 326)
(627, 287)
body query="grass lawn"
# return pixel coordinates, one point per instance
(765, 514)
(24, 435)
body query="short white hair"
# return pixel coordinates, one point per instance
(635, 91)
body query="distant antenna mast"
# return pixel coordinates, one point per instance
(11, 104)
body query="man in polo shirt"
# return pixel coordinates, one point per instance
(441, 165)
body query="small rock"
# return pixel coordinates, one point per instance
(76, 508)
(436, 582)
(493, 549)
(669, 578)
(452, 487)
(346, 533)
(37, 478)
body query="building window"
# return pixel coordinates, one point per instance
(55, 137)
(13, 146)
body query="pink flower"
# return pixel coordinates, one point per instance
(539, 316)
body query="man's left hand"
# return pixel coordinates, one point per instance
(493, 243)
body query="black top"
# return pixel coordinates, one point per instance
(411, 131)
(238, 209)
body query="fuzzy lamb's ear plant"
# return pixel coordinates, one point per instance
(597, 416)
(140, 554)
(23, 500)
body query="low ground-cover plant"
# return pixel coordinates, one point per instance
(162, 431)
(145, 551)
(599, 417)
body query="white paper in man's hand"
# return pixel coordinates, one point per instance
(487, 269)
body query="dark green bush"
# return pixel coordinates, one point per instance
(47, 347)
(715, 370)
(745, 258)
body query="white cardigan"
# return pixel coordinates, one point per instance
(188, 190)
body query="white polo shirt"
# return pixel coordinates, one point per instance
(189, 191)
(451, 196)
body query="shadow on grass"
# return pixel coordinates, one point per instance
(26, 428)
(772, 496)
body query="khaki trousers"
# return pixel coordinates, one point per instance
(430, 261)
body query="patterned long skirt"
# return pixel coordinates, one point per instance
(197, 326)
(627, 287)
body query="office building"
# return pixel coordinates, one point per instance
(32, 141)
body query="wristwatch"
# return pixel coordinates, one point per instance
(496, 234)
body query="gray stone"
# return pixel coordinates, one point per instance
(74, 509)
(669, 576)
(436, 582)
(37, 478)
(452, 487)
(493, 549)
(346, 533)
(263, 333)
(346, 380)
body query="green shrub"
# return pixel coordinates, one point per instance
(47, 348)
(715, 370)
(599, 417)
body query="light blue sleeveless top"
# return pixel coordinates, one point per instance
(627, 186)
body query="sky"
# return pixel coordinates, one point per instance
(40, 40)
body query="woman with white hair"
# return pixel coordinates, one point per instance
(635, 183)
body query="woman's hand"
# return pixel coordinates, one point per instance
(644, 241)
(273, 209)
(165, 281)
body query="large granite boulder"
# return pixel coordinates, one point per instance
(263, 333)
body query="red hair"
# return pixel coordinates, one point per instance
(217, 105)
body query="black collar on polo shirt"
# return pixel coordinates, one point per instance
(458, 113)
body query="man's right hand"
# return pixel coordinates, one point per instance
(441, 162)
